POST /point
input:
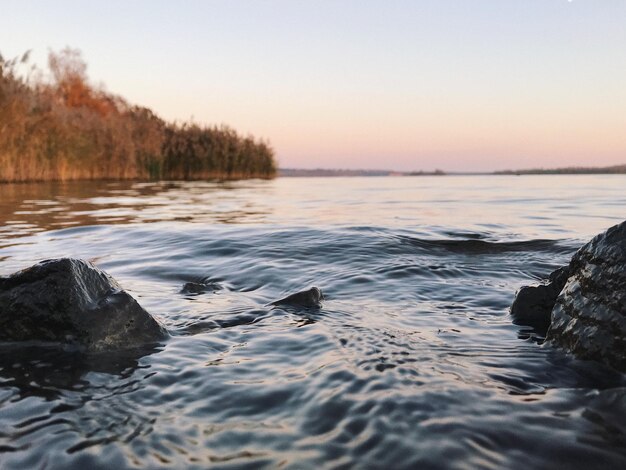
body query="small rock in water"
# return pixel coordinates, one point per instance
(73, 302)
(584, 304)
(309, 298)
(197, 288)
(533, 304)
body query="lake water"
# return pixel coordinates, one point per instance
(412, 362)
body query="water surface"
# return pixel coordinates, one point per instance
(412, 362)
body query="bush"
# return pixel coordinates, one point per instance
(66, 129)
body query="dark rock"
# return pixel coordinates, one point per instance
(589, 315)
(311, 298)
(197, 288)
(73, 302)
(533, 304)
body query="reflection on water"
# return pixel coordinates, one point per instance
(27, 208)
(412, 362)
(47, 371)
(491, 204)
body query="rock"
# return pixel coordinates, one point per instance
(197, 288)
(589, 315)
(533, 304)
(72, 302)
(311, 298)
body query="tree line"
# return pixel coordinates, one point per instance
(570, 170)
(64, 128)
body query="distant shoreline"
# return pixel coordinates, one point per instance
(607, 170)
(330, 172)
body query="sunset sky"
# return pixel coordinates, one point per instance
(465, 85)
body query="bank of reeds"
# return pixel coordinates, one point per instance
(63, 128)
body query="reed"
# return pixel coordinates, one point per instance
(64, 128)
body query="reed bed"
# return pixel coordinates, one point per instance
(64, 128)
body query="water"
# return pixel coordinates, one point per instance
(412, 362)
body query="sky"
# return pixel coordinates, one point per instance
(457, 85)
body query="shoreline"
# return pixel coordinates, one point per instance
(222, 179)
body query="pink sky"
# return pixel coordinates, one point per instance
(405, 85)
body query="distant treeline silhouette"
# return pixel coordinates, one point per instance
(571, 170)
(64, 128)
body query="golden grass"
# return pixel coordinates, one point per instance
(66, 129)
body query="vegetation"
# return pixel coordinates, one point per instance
(64, 128)
(427, 173)
(334, 172)
(572, 170)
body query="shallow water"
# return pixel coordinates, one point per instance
(412, 362)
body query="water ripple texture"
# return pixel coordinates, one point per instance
(412, 361)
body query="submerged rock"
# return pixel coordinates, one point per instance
(197, 288)
(533, 304)
(73, 302)
(587, 315)
(311, 298)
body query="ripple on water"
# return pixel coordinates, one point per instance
(412, 362)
